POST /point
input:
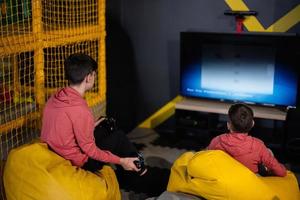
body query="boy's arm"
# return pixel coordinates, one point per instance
(271, 163)
(84, 133)
(99, 120)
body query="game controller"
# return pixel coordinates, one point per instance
(109, 124)
(140, 163)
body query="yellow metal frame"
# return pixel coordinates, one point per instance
(161, 115)
(252, 23)
(38, 40)
(19, 122)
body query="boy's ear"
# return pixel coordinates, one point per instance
(85, 79)
(88, 78)
(253, 123)
(228, 126)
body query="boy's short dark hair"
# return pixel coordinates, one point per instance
(78, 66)
(241, 118)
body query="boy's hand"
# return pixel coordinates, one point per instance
(127, 164)
(99, 121)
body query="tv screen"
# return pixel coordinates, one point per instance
(249, 67)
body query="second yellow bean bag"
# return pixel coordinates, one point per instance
(215, 175)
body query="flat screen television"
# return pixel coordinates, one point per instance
(256, 68)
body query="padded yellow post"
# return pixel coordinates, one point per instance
(34, 172)
(215, 175)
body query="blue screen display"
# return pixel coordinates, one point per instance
(243, 73)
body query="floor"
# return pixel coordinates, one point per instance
(155, 156)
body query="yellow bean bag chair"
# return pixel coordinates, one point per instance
(215, 175)
(33, 171)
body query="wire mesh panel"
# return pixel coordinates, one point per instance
(35, 38)
(18, 105)
(59, 14)
(16, 17)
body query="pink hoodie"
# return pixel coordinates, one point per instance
(68, 128)
(248, 150)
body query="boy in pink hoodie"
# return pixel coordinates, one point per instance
(248, 150)
(68, 124)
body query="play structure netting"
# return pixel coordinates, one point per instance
(36, 37)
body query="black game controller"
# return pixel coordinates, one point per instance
(109, 124)
(140, 163)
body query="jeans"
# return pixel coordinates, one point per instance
(116, 142)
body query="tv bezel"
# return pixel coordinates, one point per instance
(290, 40)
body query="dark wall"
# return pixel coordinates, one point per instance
(153, 27)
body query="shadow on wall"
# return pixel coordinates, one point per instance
(121, 76)
(173, 66)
